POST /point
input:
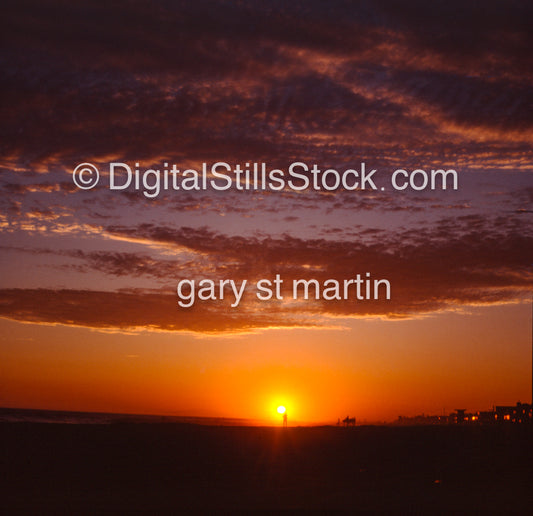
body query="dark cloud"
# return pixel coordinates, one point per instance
(496, 33)
(471, 100)
(130, 311)
(463, 263)
(239, 80)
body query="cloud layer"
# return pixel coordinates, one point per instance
(428, 272)
(419, 85)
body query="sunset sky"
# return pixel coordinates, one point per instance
(88, 303)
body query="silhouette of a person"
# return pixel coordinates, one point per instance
(285, 419)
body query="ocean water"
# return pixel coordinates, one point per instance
(15, 415)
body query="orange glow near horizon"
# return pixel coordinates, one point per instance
(375, 371)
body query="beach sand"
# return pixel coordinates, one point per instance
(156, 468)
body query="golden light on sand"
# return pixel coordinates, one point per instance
(281, 409)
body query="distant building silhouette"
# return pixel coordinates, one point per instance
(519, 413)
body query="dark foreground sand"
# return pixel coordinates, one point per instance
(153, 468)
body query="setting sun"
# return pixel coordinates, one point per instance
(281, 409)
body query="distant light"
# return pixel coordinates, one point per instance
(281, 409)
